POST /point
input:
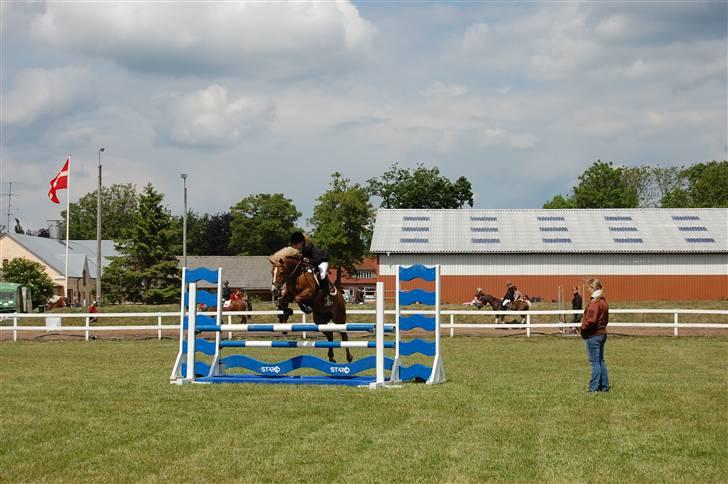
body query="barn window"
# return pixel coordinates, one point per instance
(414, 241)
(693, 229)
(700, 240)
(557, 240)
(483, 218)
(415, 229)
(617, 218)
(553, 229)
(485, 241)
(628, 240)
(551, 218)
(685, 217)
(484, 229)
(623, 229)
(415, 218)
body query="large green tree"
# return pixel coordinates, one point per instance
(206, 234)
(118, 206)
(261, 224)
(420, 188)
(147, 269)
(700, 186)
(31, 274)
(601, 186)
(342, 221)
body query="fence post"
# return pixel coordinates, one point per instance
(674, 333)
(303, 321)
(88, 324)
(528, 325)
(159, 330)
(15, 329)
(452, 325)
(230, 321)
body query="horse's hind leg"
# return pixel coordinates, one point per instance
(345, 337)
(330, 337)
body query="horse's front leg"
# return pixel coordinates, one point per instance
(345, 337)
(330, 337)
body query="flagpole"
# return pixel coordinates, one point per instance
(68, 216)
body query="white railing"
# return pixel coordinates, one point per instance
(528, 325)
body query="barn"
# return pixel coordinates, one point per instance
(640, 254)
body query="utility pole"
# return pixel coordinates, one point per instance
(98, 235)
(10, 196)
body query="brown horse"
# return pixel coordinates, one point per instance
(56, 302)
(496, 304)
(295, 281)
(238, 302)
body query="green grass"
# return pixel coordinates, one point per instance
(513, 409)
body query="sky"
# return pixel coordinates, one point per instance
(247, 98)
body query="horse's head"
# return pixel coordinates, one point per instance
(287, 265)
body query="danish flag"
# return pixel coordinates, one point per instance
(60, 182)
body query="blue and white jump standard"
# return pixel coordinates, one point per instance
(188, 370)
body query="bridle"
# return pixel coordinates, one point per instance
(279, 287)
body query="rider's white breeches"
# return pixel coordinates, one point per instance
(323, 269)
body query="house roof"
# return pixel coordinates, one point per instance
(550, 231)
(246, 272)
(53, 253)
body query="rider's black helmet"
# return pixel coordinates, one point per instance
(297, 238)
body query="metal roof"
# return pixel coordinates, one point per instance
(245, 272)
(53, 253)
(466, 231)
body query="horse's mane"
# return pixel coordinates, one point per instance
(283, 253)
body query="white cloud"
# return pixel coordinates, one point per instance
(501, 138)
(439, 89)
(207, 118)
(476, 36)
(262, 39)
(38, 93)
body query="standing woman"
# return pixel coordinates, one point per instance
(594, 332)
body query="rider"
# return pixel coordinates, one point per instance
(226, 293)
(317, 258)
(510, 295)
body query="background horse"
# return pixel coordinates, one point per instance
(56, 302)
(295, 281)
(238, 302)
(496, 304)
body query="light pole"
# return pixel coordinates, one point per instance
(184, 222)
(98, 234)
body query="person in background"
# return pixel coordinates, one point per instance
(510, 295)
(594, 332)
(576, 304)
(93, 309)
(226, 293)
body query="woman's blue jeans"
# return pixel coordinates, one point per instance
(599, 376)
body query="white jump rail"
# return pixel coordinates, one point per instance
(159, 327)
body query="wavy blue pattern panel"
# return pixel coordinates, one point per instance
(416, 321)
(426, 348)
(201, 346)
(417, 271)
(201, 322)
(304, 361)
(203, 297)
(416, 296)
(415, 372)
(201, 369)
(202, 274)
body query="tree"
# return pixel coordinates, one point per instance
(560, 201)
(206, 234)
(343, 221)
(604, 186)
(420, 188)
(18, 227)
(147, 269)
(702, 185)
(261, 224)
(31, 274)
(119, 203)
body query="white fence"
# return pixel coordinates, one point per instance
(533, 320)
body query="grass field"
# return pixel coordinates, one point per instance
(513, 409)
